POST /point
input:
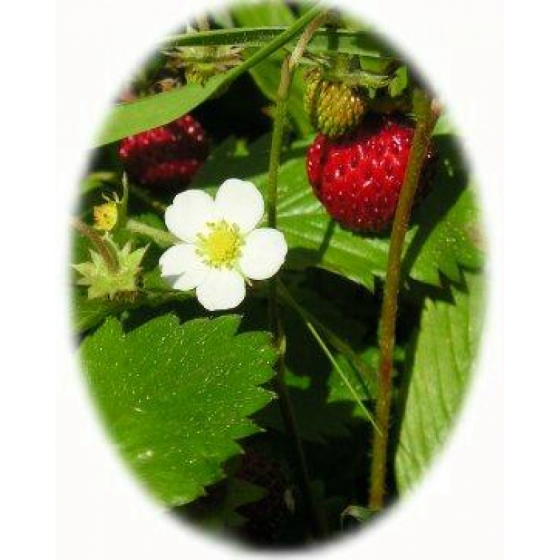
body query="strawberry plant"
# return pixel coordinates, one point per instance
(277, 274)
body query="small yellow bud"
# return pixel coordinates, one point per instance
(105, 215)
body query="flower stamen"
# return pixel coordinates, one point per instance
(221, 246)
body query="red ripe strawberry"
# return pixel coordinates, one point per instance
(166, 156)
(359, 176)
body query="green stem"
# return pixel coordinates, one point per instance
(162, 238)
(96, 240)
(286, 74)
(427, 115)
(305, 39)
(277, 141)
(313, 516)
(122, 203)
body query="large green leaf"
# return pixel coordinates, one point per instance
(267, 73)
(443, 236)
(149, 112)
(176, 397)
(439, 373)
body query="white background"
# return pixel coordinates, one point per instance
(457, 513)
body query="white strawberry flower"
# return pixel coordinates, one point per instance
(220, 246)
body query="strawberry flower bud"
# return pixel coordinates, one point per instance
(106, 216)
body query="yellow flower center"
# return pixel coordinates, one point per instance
(221, 247)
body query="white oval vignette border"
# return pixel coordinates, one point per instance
(456, 513)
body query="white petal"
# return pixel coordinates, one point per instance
(221, 289)
(241, 203)
(263, 254)
(182, 267)
(176, 259)
(189, 213)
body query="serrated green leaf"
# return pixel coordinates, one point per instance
(439, 372)
(177, 397)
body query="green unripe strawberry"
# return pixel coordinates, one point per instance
(334, 108)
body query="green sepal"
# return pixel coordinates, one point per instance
(101, 281)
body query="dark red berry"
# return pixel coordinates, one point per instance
(166, 156)
(358, 177)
